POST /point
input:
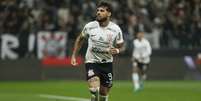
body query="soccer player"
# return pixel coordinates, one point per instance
(104, 40)
(140, 59)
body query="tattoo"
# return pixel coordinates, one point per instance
(94, 79)
(94, 82)
(78, 43)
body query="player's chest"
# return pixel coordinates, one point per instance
(140, 45)
(102, 35)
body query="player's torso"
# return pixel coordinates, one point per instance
(140, 46)
(100, 39)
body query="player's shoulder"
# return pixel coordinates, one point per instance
(145, 40)
(114, 26)
(91, 24)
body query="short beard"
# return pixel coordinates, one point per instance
(102, 20)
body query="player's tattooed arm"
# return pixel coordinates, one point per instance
(78, 44)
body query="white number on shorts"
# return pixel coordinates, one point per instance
(110, 76)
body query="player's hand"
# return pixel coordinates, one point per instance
(73, 61)
(114, 51)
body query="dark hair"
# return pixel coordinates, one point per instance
(105, 4)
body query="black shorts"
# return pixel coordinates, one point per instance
(141, 66)
(103, 70)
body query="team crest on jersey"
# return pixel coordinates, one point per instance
(91, 72)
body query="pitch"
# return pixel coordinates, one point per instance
(62, 90)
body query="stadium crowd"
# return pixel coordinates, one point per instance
(166, 23)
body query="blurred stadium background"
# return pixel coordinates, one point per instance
(37, 36)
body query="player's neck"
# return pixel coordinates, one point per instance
(140, 39)
(104, 23)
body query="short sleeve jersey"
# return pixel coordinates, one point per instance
(100, 40)
(142, 50)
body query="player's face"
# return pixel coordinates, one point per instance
(102, 14)
(140, 35)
